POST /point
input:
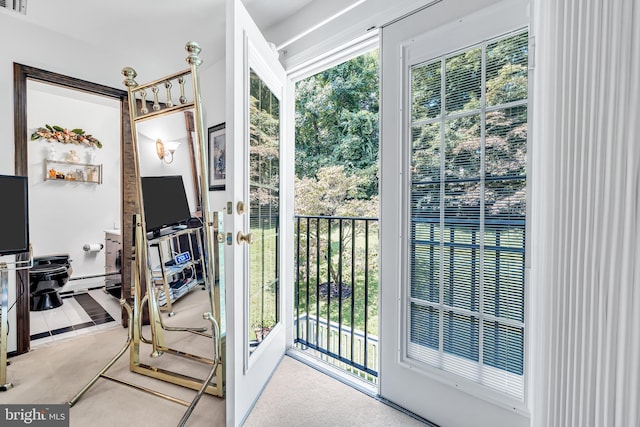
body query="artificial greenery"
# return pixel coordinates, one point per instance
(65, 136)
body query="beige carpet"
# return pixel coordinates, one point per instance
(297, 394)
(55, 372)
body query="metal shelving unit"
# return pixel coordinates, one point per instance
(179, 268)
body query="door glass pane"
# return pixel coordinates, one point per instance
(463, 77)
(468, 213)
(264, 205)
(507, 69)
(426, 98)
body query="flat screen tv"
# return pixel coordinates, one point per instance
(165, 202)
(14, 215)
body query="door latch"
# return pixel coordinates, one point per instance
(247, 238)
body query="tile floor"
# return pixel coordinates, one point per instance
(80, 313)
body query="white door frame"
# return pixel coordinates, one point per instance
(437, 396)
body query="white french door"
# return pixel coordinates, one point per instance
(257, 270)
(452, 217)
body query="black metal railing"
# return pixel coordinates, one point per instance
(336, 291)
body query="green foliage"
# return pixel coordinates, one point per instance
(337, 175)
(333, 193)
(264, 150)
(476, 143)
(337, 122)
(353, 272)
(264, 144)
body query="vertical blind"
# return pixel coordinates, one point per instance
(586, 250)
(468, 210)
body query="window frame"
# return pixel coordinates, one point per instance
(448, 48)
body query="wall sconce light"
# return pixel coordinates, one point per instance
(165, 150)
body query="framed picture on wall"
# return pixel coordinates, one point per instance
(217, 157)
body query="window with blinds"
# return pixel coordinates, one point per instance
(465, 308)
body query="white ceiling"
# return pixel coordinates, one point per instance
(144, 25)
(268, 13)
(150, 35)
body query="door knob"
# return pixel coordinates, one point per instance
(241, 208)
(247, 238)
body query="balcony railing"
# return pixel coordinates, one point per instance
(336, 292)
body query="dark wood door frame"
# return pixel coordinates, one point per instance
(21, 73)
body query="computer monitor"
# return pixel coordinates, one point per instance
(165, 202)
(14, 215)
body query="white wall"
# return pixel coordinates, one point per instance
(50, 51)
(166, 128)
(66, 215)
(213, 82)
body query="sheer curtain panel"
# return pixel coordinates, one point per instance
(585, 244)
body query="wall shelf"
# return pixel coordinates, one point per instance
(59, 170)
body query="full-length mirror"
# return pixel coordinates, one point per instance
(166, 147)
(174, 310)
(171, 200)
(177, 287)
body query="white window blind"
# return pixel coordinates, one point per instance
(467, 214)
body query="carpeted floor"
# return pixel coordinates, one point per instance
(55, 372)
(297, 394)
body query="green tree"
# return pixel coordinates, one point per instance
(505, 129)
(264, 144)
(330, 194)
(337, 122)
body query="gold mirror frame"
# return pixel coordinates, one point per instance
(143, 286)
(139, 112)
